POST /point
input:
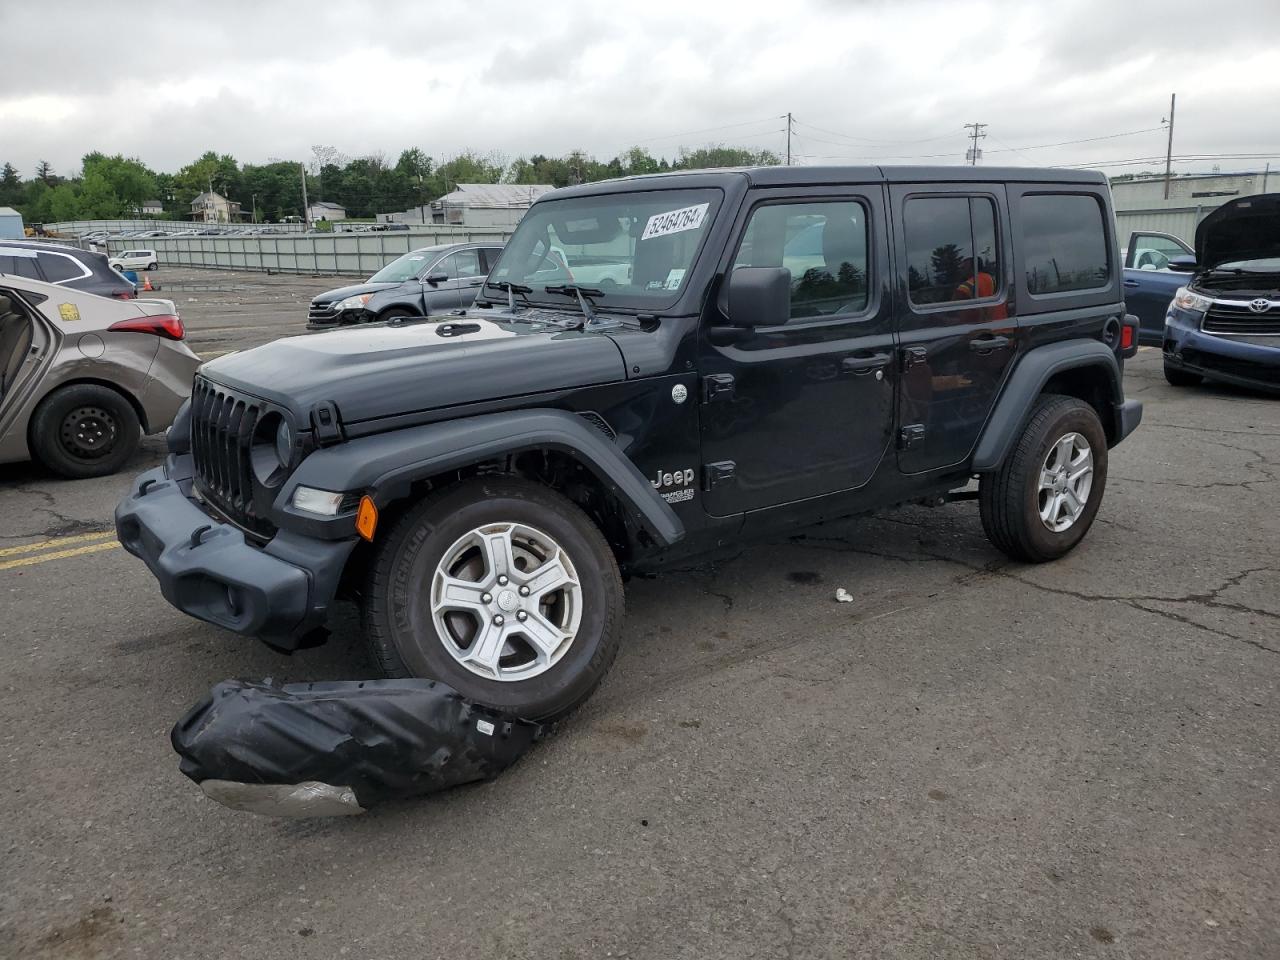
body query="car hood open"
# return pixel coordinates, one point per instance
(379, 370)
(1247, 228)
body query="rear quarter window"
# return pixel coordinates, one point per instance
(1064, 243)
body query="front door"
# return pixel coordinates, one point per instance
(803, 408)
(454, 290)
(957, 332)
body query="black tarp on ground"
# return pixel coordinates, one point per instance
(309, 749)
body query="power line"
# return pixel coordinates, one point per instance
(1067, 143)
(847, 136)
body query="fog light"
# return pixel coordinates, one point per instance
(323, 503)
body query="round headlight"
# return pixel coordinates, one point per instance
(284, 443)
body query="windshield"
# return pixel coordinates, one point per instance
(636, 248)
(405, 268)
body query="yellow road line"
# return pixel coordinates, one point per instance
(58, 555)
(56, 542)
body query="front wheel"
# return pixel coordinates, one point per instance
(503, 589)
(153, 265)
(1043, 499)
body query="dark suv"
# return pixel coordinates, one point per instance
(657, 367)
(66, 266)
(424, 281)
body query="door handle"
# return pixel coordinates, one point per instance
(1131, 283)
(864, 363)
(987, 344)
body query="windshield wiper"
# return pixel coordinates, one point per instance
(582, 293)
(512, 289)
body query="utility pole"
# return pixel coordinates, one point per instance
(789, 121)
(1168, 153)
(306, 207)
(973, 154)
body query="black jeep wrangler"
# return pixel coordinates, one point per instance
(656, 367)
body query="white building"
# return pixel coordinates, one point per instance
(151, 208)
(1206, 190)
(324, 210)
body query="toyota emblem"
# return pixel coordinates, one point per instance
(1261, 305)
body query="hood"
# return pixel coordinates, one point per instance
(329, 296)
(1247, 228)
(380, 370)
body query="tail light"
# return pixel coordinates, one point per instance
(1129, 336)
(165, 325)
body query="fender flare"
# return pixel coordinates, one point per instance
(1026, 382)
(387, 464)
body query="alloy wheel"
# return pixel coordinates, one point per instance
(1066, 477)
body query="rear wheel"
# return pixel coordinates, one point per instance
(84, 430)
(1181, 378)
(501, 588)
(153, 265)
(1043, 499)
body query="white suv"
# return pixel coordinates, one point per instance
(135, 259)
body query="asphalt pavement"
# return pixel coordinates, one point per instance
(976, 758)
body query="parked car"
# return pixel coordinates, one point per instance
(1225, 323)
(483, 483)
(66, 266)
(135, 258)
(1151, 278)
(82, 377)
(428, 280)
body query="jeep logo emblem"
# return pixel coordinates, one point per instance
(676, 478)
(1261, 305)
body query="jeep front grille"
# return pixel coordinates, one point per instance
(1236, 317)
(222, 430)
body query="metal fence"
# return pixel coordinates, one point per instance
(169, 226)
(358, 254)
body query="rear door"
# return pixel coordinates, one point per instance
(804, 408)
(957, 328)
(471, 273)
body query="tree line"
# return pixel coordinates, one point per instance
(115, 187)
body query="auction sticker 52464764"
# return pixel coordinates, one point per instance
(675, 221)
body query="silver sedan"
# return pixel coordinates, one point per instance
(83, 377)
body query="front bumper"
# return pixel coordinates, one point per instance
(1231, 359)
(280, 592)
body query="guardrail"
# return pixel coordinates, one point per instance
(358, 254)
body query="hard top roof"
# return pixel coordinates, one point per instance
(819, 176)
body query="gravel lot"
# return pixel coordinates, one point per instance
(975, 759)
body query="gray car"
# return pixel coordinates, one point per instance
(423, 281)
(83, 377)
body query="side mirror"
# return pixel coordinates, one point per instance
(1182, 264)
(436, 278)
(759, 296)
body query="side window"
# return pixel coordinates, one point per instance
(58, 268)
(823, 244)
(467, 263)
(446, 267)
(17, 265)
(1064, 242)
(490, 256)
(942, 235)
(1150, 251)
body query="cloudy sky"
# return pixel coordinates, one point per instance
(866, 81)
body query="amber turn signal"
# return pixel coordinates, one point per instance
(367, 518)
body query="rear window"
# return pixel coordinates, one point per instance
(1064, 244)
(19, 263)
